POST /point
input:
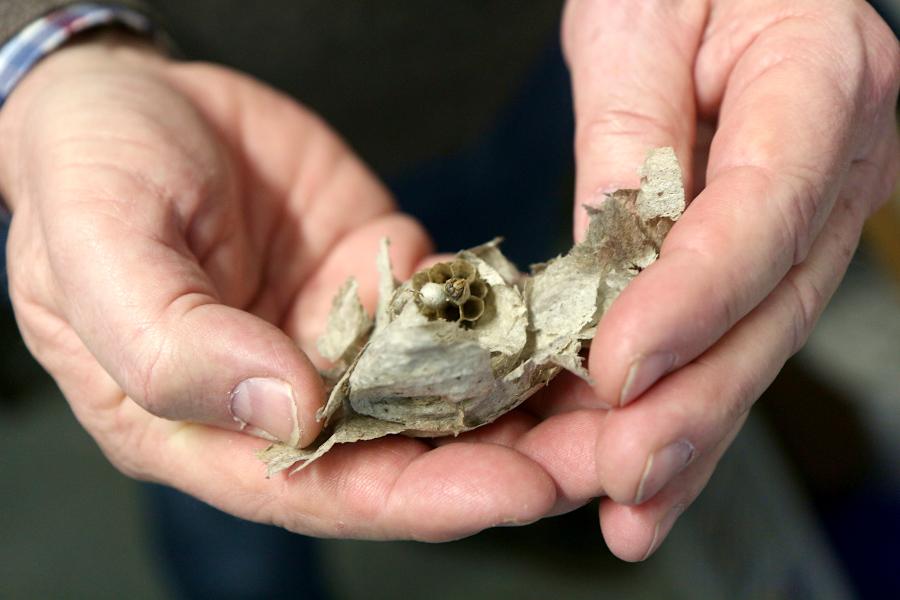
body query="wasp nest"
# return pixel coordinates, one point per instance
(414, 370)
(451, 291)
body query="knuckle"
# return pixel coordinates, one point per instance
(622, 122)
(885, 68)
(884, 50)
(580, 25)
(128, 445)
(148, 385)
(799, 213)
(872, 180)
(806, 301)
(729, 400)
(724, 297)
(157, 375)
(744, 393)
(880, 71)
(729, 305)
(128, 456)
(622, 454)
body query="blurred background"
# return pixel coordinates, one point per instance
(805, 505)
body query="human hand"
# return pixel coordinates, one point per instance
(176, 227)
(804, 150)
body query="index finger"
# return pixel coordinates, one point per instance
(791, 121)
(632, 88)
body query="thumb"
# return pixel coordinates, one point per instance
(631, 65)
(219, 365)
(143, 306)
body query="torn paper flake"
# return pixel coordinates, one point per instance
(465, 341)
(386, 283)
(348, 324)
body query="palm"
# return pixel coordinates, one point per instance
(231, 203)
(299, 213)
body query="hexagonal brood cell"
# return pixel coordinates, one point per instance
(452, 291)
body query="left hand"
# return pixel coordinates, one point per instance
(805, 149)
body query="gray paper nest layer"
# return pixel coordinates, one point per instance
(406, 373)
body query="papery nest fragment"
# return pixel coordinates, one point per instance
(430, 366)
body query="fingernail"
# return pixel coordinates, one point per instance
(661, 467)
(663, 528)
(266, 407)
(644, 372)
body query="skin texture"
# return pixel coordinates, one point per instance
(805, 148)
(177, 227)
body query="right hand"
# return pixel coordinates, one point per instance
(177, 229)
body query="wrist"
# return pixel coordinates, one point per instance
(97, 51)
(103, 52)
(34, 51)
(46, 34)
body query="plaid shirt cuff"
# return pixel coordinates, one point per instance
(51, 31)
(43, 36)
